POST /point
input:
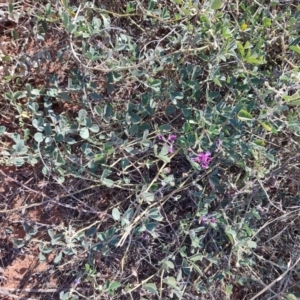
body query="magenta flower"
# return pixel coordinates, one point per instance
(204, 159)
(171, 149)
(172, 138)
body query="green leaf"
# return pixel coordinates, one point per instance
(267, 22)
(231, 235)
(116, 214)
(294, 103)
(216, 4)
(295, 48)
(240, 48)
(10, 7)
(243, 115)
(186, 127)
(196, 267)
(84, 133)
(291, 297)
(151, 287)
(65, 19)
(268, 126)
(292, 98)
(171, 281)
(196, 257)
(260, 143)
(254, 61)
(217, 81)
(130, 7)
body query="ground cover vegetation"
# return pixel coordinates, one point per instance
(150, 149)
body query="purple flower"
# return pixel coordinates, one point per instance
(207, 219)
(75, 282)
(171, 149)
(204, 159)
(213, 220)
(172, 138)
(144, 235)
(204, 220)
(160, 136)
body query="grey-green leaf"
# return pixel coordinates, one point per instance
(107, 182)
(148, 197)
(94, 128)
(116, 214)
(155, 214)
(84, 133)
(2, 130)
(58, 258)
(82, 116)
(47, 129)
(39, 137)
